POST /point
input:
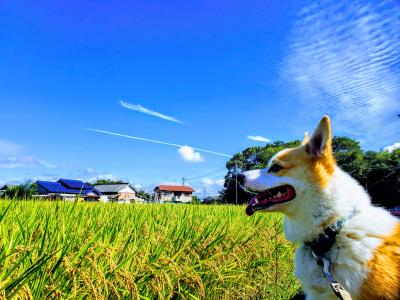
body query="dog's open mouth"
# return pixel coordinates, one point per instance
(270, 197)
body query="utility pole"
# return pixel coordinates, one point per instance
(183, 180)
(236, 182)
(204, 193)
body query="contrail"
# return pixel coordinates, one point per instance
(147, 111)
(157, 142)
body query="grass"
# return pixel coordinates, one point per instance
(113, 251)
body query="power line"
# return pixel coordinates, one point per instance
(176, 145)
(207, 174)
(384, 177)
(157, 142)
(214, 172)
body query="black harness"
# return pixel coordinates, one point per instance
(325, 240)
(321, 245)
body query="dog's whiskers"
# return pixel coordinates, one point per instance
(246, 190)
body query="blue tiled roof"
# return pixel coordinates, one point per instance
(67, 186)
(56, 187)
(88, 191)
(74, 184)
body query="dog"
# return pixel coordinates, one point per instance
(328, 212)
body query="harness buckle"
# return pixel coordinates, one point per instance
(340, 292)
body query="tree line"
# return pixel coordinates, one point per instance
(377, 171)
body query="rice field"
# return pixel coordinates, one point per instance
(111, 251)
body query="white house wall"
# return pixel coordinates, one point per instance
(169, 197)
(127, 189)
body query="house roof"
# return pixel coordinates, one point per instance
(6, 186)
(113, 188)
(175, 188)
(210, 199)
(91, 192)
(56, 187)
(67, 186)
(74, 184)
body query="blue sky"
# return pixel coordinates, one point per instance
(202, 74)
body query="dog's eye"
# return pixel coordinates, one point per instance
(275, 168)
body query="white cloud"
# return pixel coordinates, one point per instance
(216, 182)
(144, 110)
(258, 138)
(48, 177)
(11, 157)
(208, 187)
(8, 148)
(106, 176)
(220, 182)
(15, 181)
(168, 183)
(344, 60)
(22, 162)
(391, 148)
(189, 154)
(90, 171)
(138, 186)
(207, 181)
(86, 174)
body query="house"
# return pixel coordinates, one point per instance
(211, 200)
(395, 211)
(5, 188)
(67, 189)
(173, 193)
(120, 192)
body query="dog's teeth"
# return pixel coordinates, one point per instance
(279, 194)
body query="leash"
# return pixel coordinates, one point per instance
(337, 288)
(323, 244)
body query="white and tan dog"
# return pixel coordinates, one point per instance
(307, 186)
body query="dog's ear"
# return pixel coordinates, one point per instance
(306, 139)
(321, 140)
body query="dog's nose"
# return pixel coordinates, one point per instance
(241, 178)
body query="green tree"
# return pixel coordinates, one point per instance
(106, 181)
(378, 172)
(23, 191)
(382, 177)
(350, 156)
(143, 194)
(195, 200)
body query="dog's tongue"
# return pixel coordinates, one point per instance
(250, 206)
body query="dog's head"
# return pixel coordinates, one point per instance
(294, 176)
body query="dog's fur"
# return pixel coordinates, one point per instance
(365, 258)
